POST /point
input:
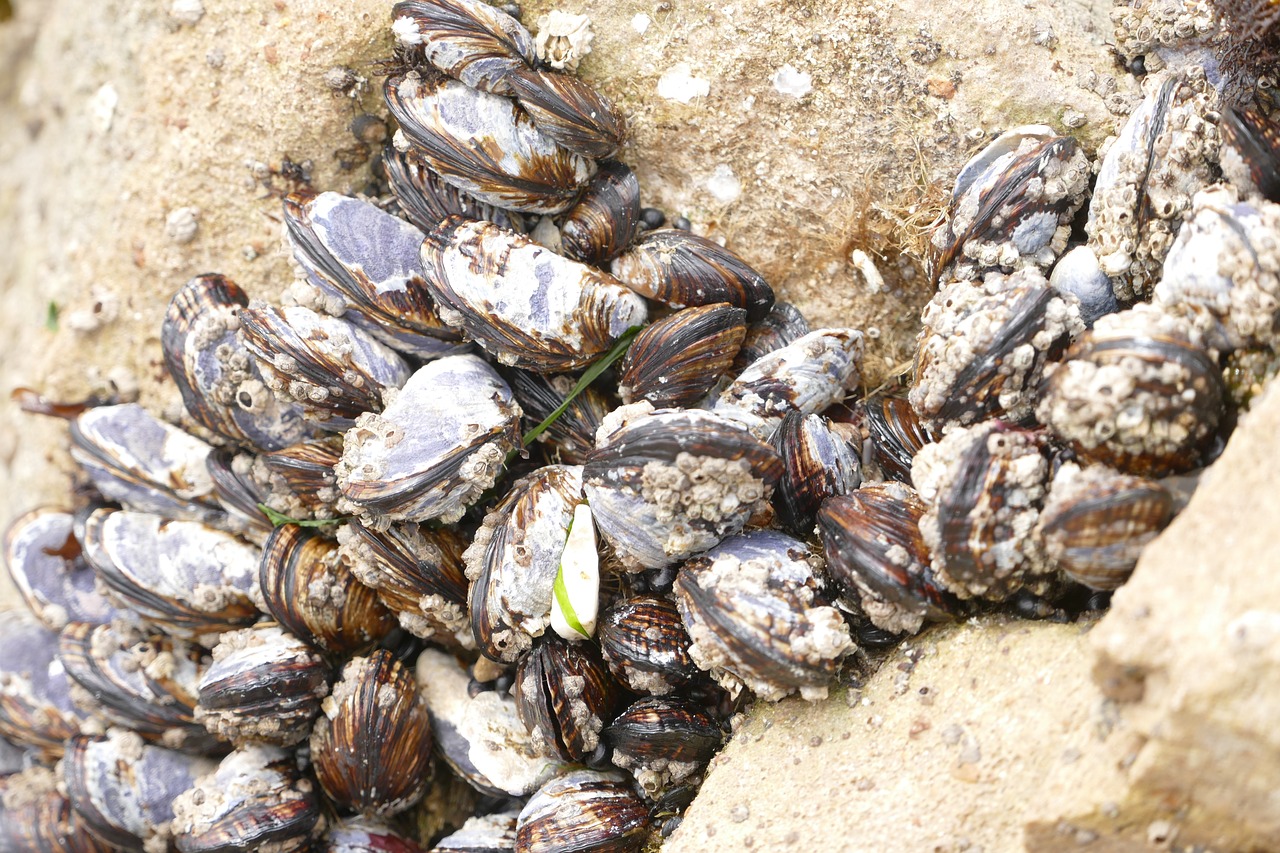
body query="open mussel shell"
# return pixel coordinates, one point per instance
(984, 486)
(144, 463)
(371, 258)
(36, 818)
(1163, 156)
(565, 696)
(784, 324)
(333, 369)
(645, 645)
(436, 448)
(480, 736)
(1139, 392)
(360, 834)
(664, 485)
(470, 41)
(36, 708)
(514, 560)
(219, 380)
(683, 270)
(371, 748)
(256, 799)
(806, 376)
(492, 833)
(144, 682)
(817, 463)
(1096, 522)
(877, 556)
(524, 304)
(308, 587)
(1251, 152)
(47, 566)
(582, 811)
(486, 145)
(676, 361)
(896, 434)
(185, 578)
(570, 111)
(125, 790)
(753, 609)
(984, 345)
(1013, 203)
(427, 200)
(663, 741)
(573, 435)
(606, 219)
(264, 685)
(417, 573)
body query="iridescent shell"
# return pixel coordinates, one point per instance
(486, 145)
(896, 434)
(469, 40)
(524, 304)
(676, 361)
(663, 741)
(48, 568)
(645, 645)
(817, 464)
(362, 835)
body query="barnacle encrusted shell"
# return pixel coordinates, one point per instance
(570, 111)
(523, 303)
(565, 696)
(984, 485)
(1153, 27)
(514, 559)
(47, 566)
(677, 360)
(664, 485)
(491, 833)
(35, 692)
(753, 609)
(1250, 155)
(1096, 522)
(35, 816)
(1013, 203)
(1078, 273)
(1139, 392)
(471, 41)
(1224, 271)
(662, 741)
(436, 447)
(1162, 157)
(681, 269)
(427, 200)
(219, 380)
(486, 145)
(983, 346)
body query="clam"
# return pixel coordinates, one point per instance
(676, 361)
(471, 41)
(47, 566)
(583, 810)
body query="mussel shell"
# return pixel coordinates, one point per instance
(185, 578)
(436, 448)
(784, 324)
(47, 566)
(663, 741)
(676, 361)
(524, 304)
(1078, 273)
(362, 835)
(370, 258)
(220, 383)
(417, 573)
(583, 811)
(897, 434)
(1254, 139)
(1095, 523)
(469, 40)
(641, 481)
(493, 833)
(309, 588)
(264, 685)
(427, 200)
(606, 219)
(125, 790)
(486, 145)
(371, 748)
(36, 708)
(817, 463)
(565, 696)
(147, 683)
(334, 369)
(645, 645)
(514, 560)
(876, 554)
(307, 470)
(570, 111)
(35, 818)
(144, 463)
(572, 435)
(684, 270)
(240, 494)
(752, 607)
(256, 799)
(480, 736)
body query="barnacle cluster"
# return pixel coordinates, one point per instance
(521, 495)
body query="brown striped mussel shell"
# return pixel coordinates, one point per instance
(566, 697)
(645, 645)
(570, 111)
(606, 219)
(676, 361)
(583, 810)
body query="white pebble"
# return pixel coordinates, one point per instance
(181, 224)
(679, 84)
(792, 83)
(187, 12)
(102, 106)
(724, 184)
(640, 23)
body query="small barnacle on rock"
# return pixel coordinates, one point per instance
(563, 39)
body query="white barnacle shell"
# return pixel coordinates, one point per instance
(563, 39)
(436, 447)
(523, 303)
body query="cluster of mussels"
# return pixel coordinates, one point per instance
(463, 499)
